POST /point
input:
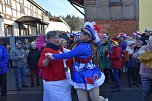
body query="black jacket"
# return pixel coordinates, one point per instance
(33, 58)
(145, 38)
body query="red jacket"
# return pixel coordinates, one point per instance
(116, 57)
(55, 69)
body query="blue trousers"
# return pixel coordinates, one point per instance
(19, 72)
(116, 77)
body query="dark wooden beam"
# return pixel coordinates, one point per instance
(19, 29)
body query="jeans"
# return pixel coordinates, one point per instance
(19, 72)
(116, 77)
(3, 84)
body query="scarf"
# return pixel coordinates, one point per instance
(52, 46)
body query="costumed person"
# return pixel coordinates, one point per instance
(144, 54)
(123, 44)
(139, 42)
(116, 63)
(105, 49)
(56, 81)
(131, 63)
(4, 58)
(86, 76)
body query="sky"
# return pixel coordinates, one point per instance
(59, 7)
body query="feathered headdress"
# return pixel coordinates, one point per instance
(93, 30)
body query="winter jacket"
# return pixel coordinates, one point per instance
(4, 58)
(104, 51)
(15, 54)
(33, 58)
(144, 38)
(116, 57)
(144, 71)
(55, 69)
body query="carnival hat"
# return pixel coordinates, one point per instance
(120, 35)
(93, 30)
(138, 34)
(126, 35)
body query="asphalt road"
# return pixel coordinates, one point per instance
(36, 93)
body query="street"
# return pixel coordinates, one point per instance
(35, 93)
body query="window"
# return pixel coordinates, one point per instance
(8, 30)
(31, 10)
(36, 11)
(22, 8)
(115, 2)
(91, 2)
(8, 2)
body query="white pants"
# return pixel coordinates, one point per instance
(57, 90)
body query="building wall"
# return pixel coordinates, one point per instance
(11, 10)
(113, 18)
(145, 19)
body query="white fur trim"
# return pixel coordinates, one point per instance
(98, 83)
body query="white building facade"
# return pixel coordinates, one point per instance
(22, 17)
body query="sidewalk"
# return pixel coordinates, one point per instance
(26, 94)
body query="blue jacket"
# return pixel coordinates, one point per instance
(82, 51)
(4, 58)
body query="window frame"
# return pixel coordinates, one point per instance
(113, 3)
(8, 2)
(7, 32)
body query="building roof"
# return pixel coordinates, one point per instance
(58, 19)
(30, 19)
(38, 6)
(79, 3)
